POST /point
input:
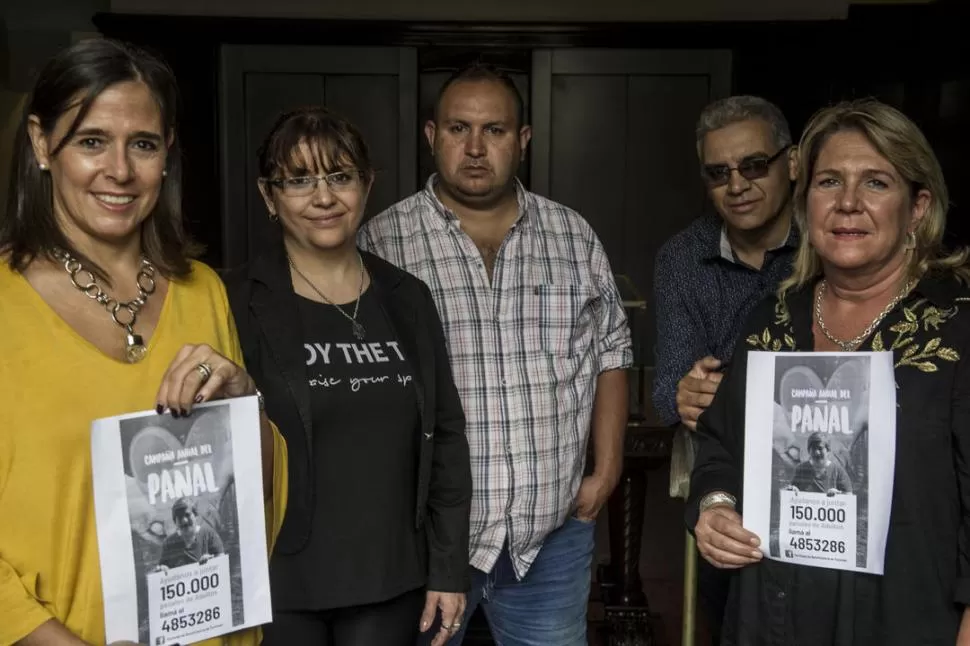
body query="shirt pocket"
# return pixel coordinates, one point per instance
(563, 315)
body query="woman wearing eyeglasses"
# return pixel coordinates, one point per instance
(350, 355)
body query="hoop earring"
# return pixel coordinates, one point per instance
(273, 217)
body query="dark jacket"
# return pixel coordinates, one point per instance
(265, 308)
(925, 588)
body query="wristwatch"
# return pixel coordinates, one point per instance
(717, 498)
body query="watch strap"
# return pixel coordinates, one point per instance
(717, 498)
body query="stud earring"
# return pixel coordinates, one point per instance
(164, 173)
(273, 217)
(911, 240)
(42, 166)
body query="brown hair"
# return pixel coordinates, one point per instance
(331, 139)
(74, 77)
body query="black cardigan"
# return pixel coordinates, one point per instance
(921, 596)
(265, 309)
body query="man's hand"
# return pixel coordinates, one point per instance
(452, 607)
(594, 491)
(695, 391)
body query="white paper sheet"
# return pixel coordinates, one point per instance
(161, 586)
(819, 457)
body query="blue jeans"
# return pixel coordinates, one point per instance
(548, 606)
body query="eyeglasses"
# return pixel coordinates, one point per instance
(338, 182)
(750, 168)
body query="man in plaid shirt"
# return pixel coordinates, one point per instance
(539, 343)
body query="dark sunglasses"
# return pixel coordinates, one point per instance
(750, 168)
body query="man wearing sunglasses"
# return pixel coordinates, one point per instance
(709, 276)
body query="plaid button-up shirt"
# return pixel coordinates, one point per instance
(526, 349)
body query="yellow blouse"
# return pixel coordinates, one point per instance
(53, 382)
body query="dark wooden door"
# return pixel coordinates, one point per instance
(374, 87)
(613, 138)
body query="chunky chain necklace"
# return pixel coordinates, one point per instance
(853, 343)
(359, 331)
(85, 281)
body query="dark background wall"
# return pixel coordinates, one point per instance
(909, 55)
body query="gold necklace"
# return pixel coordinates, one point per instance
(358, 329)
(135, 349)
(853, 343)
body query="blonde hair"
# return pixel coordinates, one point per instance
(900, 141)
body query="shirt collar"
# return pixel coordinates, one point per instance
(725, 251)
(941, 289)
(446, 216)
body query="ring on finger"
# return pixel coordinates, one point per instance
(204, 370)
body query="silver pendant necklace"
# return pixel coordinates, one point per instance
(85, 281)
(358, 329)
(854, 342)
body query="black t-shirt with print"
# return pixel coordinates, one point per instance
(364, 547)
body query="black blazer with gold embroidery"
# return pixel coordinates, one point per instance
(926, 583)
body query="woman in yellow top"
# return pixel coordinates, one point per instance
(95, 204)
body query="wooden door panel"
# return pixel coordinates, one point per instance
(357, 95)
(267, 95)
(589, 114)
(613, 138)
(374, 87)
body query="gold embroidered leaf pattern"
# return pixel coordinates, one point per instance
(877, 344)
(782, 315)
(932, 317)
(773, 339)
(901, 342)
(904, 327)
(765, 341)
(948, 354)
(915, 318)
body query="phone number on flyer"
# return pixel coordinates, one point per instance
(193, 619)
(818, 545)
